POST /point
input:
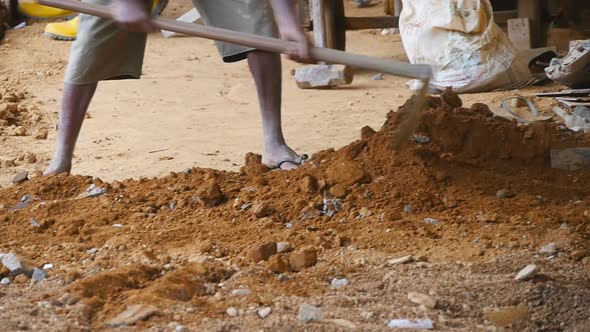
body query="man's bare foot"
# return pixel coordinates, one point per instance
(282, 157)
(57, 167)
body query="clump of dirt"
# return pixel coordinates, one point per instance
(436, 197)
(20, 116)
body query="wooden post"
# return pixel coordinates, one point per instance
(530, 9)
(397, 8)
(319, 28)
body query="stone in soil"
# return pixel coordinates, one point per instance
(339, 282)
(308, 313)
(241, 292)
(283, 247)
(132, 315)
(548, 249)
(401, 260)
(262, 210)
(15, 265)
(505, 316)
(262, 252)
(264, 312)
(93, 191)
(278, 264)
(232, 312)
(303, 258)
(528, 272)
(5, 281)
(38, 275)
(416, 324)
(422, 299)
(504, 193)
(210, 194)
(21, 177)
(578, 255)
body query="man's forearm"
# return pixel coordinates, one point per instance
(286, 14)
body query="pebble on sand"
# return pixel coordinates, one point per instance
(264, 312)
(528, 272)
(308, 313)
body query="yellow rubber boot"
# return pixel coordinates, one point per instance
(63, 30)
(67, 30)
(40, 11)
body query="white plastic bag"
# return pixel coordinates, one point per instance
(467, 50)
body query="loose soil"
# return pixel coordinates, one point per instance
(184, 241)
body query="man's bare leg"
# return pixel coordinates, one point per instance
(75, 101)
(266, 71)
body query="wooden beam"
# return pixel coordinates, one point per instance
(372, 22)
(319, 27)
(532, 10)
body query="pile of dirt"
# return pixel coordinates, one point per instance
(468, 186)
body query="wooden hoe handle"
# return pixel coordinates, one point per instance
(259, 42)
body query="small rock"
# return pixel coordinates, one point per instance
(92, 251)
(232, 312)
(261, 210)
(422, 139)
(548, 249)
(528, 272)
(377, 77)
(132, 315)
(68, 299)
(35, 223)
(303, 258)
(180, 328)
(504, 193)
(283, 247)
(339, 282)
(5, 281)
(262, 252)
(401, 260)
(417, 324)
(422, 299)
(308, 313)
(241, 292)
(38, 275)
(13, 263)
(408, 208)
(21, 177)
(283, 277)
(278, 264)
(47, 266)
(93, 191)
(264, 312)
(431, 221)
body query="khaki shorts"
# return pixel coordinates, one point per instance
(104, 51)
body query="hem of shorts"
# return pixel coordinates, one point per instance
(239, 56)
(124, 76)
